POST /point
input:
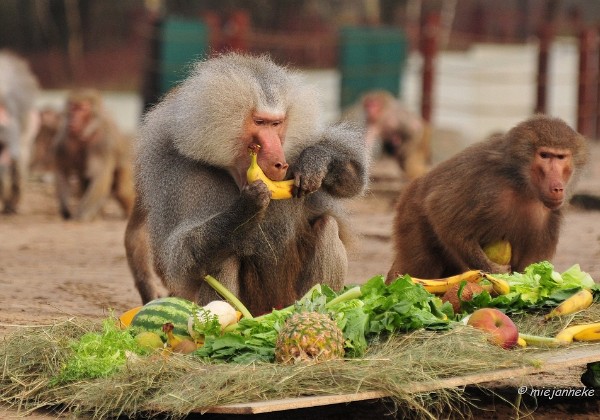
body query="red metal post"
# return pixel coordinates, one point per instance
(545, 40)
(588, 80)
(429, 37)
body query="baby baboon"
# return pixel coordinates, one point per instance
(197, 214)
(510, 187)
(90, 147)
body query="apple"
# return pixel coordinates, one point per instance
(503, 331)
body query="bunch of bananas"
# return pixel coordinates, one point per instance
(440, 286)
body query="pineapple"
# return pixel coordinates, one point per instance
(309, 336)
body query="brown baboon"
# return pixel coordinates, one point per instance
(391, 127)
(510, 187)
(201, 215)
(90, 146)
(19, 123)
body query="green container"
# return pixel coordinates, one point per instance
(181, 42)
(370, 59)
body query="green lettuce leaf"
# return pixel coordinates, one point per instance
(99, 354)
(541, 285)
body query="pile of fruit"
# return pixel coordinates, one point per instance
(479, 295)
(326, 324)
(323, 324)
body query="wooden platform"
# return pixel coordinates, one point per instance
(549, 361)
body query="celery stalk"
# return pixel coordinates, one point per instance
(349, 294)
(230, 297)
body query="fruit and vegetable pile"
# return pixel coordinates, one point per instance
(342, 324)
(362, 338)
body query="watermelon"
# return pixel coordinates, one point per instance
(156, 313)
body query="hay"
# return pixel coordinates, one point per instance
(534, 323)
(177, 385)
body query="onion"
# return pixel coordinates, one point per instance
(225, 313)
(223, 310)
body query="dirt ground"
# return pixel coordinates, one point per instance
(50, 268)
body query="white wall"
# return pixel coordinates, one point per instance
(492, 87)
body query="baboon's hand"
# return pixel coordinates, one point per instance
(257, 195)
(499, 268)
(305, 184)
(310, 172)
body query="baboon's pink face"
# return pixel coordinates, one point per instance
(551, 170)
(268, 131)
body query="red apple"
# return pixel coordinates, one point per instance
(503, 331)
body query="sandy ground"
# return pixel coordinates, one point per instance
(50, 268)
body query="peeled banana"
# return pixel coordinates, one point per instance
(500, 286)
(578, 302)
(498, 252)
(440, 286)
(279, 189)
(567, 335)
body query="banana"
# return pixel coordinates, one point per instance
(498, 252)
(589, 334)
(175, 343)
(539, 341)
(172, 339)
(521, 342)
(279, 189)
(567, 335)
(499, 285)
(578, 302)
(439, 286)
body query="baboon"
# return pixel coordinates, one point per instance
(509, 187)
(90, 147)
(197, 215)
(19, 123)
(393, 129)
(42, 156)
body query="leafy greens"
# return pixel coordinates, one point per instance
(540, 285)
(363, 313)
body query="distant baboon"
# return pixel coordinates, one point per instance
(510, 187)
(42, 156)
(90, 147)
(394, 129)
(19, 123)
(196, 213)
